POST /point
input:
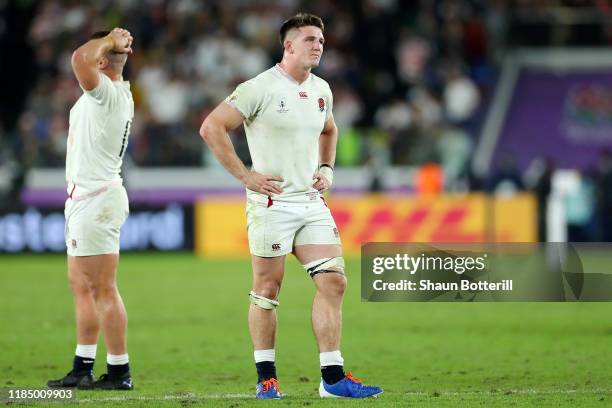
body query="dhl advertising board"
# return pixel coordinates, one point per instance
(220, 223)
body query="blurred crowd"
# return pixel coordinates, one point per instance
(408, 80)
(411, 80)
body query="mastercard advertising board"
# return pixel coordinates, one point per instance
(220, 223)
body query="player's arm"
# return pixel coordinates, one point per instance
(214, 131)
(327, 155)
(85, 59)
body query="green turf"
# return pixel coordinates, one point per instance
(189, 344)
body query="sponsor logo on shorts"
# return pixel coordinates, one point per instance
(276, 247)
(336, 232)
(73, 243)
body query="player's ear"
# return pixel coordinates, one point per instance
(103, 62)
(289, 46)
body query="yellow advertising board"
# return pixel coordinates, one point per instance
(220, 229)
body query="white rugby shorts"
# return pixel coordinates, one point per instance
(276, 227)
(93, 224)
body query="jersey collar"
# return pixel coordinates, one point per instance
(284, 73)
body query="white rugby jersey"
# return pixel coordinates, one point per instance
(100, 123)
(283, 121)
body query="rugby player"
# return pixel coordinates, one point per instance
(97, 206)
(291, 133)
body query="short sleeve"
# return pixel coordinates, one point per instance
(104, 92)
(246, 99)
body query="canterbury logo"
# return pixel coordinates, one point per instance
(303, 95)
(276, 247)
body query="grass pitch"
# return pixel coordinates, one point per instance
(189, 344)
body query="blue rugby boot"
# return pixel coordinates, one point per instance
(268, 389)
(348, 387)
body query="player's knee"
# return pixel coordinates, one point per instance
(104, 292)
(79, 286)
(335, 284)
(269, 290)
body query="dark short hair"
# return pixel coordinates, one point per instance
(99, 34)
(300, 20)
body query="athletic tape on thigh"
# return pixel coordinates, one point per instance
(262, 302)
(325, 265)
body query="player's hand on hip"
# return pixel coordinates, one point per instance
(321, 183)
(323, 178)
(263, 183)
(122, 40)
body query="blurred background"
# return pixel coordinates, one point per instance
(459, 120)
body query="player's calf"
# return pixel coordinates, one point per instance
(265, 359)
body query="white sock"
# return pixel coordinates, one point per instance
(264, 355)
(86, 350)
(329, 358)
(118, 359)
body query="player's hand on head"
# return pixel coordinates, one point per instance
(263, 183)
(122, 40)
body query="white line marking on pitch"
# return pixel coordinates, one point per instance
(528, 391)
(167, 397)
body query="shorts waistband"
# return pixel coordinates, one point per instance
(93, 193)
(272, 202)
(297, 200)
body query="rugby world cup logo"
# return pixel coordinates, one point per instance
(321, 104)
(588, 113)
(590, 105)
(282, 105)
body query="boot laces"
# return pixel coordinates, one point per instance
(350, 377)
(267, 384)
